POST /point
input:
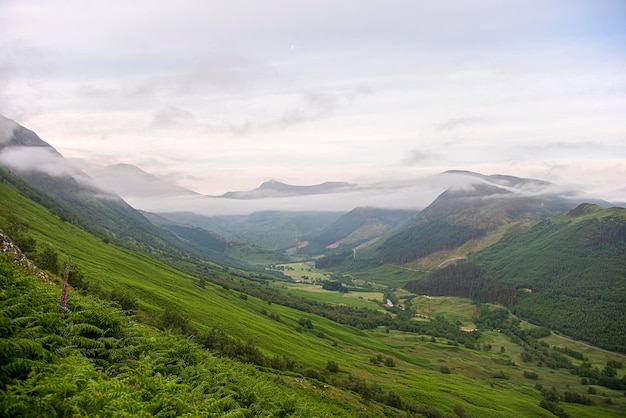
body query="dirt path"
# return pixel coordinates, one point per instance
(451, 260)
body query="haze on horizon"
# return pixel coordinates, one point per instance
(220, 97)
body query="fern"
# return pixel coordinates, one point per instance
(93, 360)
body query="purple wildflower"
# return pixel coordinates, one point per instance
(64, 293)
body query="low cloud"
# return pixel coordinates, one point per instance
(457, 123)
(388, 196)
(417, 156)
(172, 116)
(38, 159)
(7, 128)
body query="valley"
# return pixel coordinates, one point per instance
(469, 307)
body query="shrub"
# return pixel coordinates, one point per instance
(459, 411)
(126, 301)
(332, 366)
(47, 259)
(176, 321)
(500, 375)
(531, 375)
(306, 323)
(444, 369)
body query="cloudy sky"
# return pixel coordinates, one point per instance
(224, 95)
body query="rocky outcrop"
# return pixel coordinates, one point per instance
(15, 255)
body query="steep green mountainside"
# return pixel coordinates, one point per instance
(90, 359)
(460, 215)
(567, 273)
(312, 358)
(106, 268)
(360, 225)
(110, 218)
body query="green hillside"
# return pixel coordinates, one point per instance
(312, 358)
(567, 273)
(361, 224)
(92, 360)
(459, 216)
(110, 218)
(574, 266)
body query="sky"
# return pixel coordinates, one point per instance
(220, 96)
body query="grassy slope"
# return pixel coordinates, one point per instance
(415, 376)
(93, 360)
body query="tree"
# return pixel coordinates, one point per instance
(389, 362)
(332, 366)
(609, 371)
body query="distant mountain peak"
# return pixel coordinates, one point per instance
(130, 181)
(274, 188)
(499, 179)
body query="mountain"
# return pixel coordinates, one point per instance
(272, 230)
(273, 189)
(214, 245)
(182, 340)
(360, 225)
(13, 134)
(127, 180)
(40, 172)
(473, 211)
(567, 273)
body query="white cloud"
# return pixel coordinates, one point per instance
(41, 159)
(214, 91)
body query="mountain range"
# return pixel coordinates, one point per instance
(339, 307)
(469, 219)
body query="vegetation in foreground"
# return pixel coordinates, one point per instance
(92, 359)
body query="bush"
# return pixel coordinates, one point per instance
(332, 366)
(500, 375)
(306, 323)
(444, 369)
(389, 362)
(48, 259)
(176, 321)
(531, 375)
(459, 411)
(126, 301)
